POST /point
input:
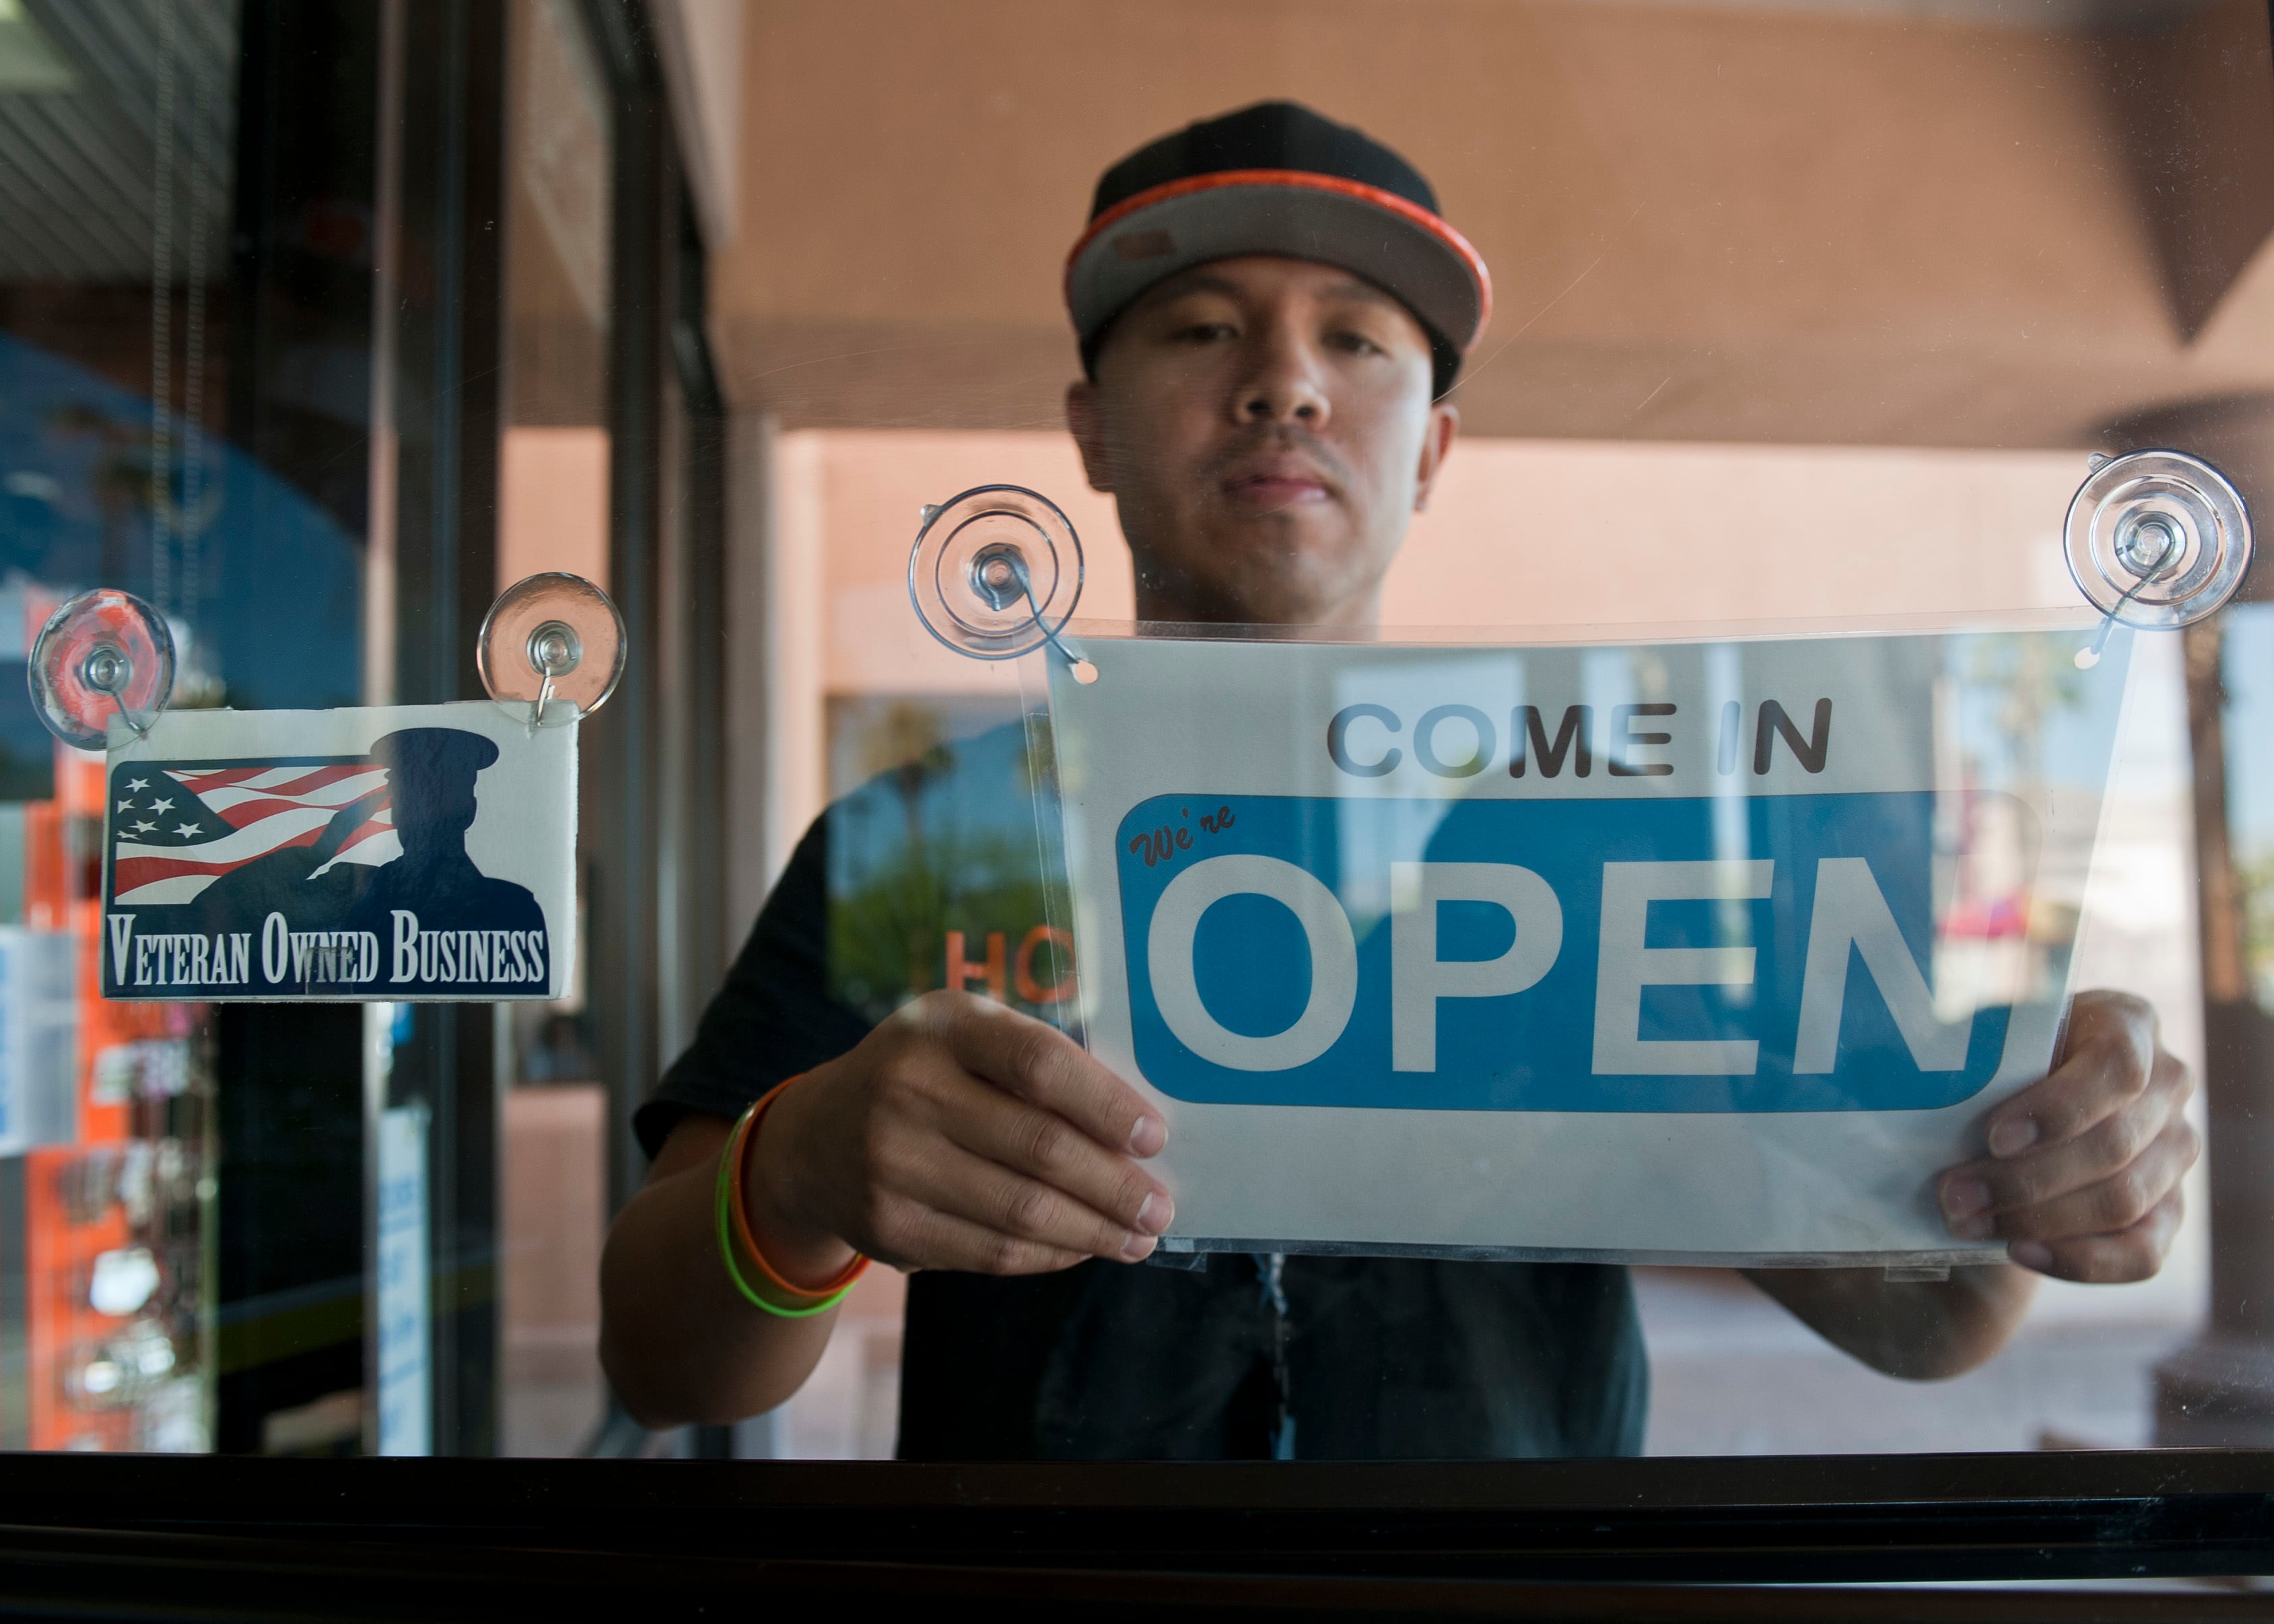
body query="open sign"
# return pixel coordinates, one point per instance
(1552, 955)
(1670, 950)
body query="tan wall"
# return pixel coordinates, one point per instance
(553, 503)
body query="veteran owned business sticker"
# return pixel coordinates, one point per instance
(396, 853)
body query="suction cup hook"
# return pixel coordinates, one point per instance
(996, 572)
(547, 637)
(2155, 539)
(101, 654)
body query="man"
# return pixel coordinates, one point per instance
(1270, 312)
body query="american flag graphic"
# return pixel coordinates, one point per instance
(175, 831)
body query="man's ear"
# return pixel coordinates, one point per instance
(1436, 445)
(1088, 434)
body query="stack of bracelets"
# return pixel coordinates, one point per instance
(738, 1244)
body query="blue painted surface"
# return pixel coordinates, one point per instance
(1534, 1049)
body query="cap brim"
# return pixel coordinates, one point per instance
(1400, 247)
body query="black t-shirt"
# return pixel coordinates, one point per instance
(1369, 1358)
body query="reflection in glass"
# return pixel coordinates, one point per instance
(552, 516)
(114, 331)
(1741, 372)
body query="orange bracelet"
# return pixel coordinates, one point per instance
(738, 1151)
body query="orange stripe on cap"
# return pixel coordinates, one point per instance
(1405, 210)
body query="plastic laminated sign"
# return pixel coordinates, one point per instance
(1687, 951)
(398, 852)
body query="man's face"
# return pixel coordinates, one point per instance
(1266, 429)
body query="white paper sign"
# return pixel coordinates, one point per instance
(400, 853)
(1675, 950)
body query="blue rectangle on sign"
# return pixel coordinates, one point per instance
(1775, 953)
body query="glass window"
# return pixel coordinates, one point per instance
(553, 514)
(117, 343)
(1824, 335)
(1531, 730)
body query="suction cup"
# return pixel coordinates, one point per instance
(101, 654)
(551, 638)
(995, 572)
(2158, 538)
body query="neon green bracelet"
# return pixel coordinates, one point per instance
(730, 1164)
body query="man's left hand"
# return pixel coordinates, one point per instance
(2082, 1177)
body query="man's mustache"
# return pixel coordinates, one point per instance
(1278, 439)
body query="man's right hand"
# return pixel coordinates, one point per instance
(959, 1135)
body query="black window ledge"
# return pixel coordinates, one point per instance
(163, 1536)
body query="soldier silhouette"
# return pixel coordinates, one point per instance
(286, 880)
(431, 773)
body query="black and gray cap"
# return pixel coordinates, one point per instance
(1277, 178)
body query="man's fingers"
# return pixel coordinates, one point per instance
(1045, 1146)
(2104, 1207)
(1971, 1194)
(949, 1179)
(912, 1236)
(1042, 1065)
(2129, 1254)
(962, 1135)
(2109, 1058)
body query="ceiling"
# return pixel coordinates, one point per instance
(79, 149)
(1855, 223)
(2069, 15)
